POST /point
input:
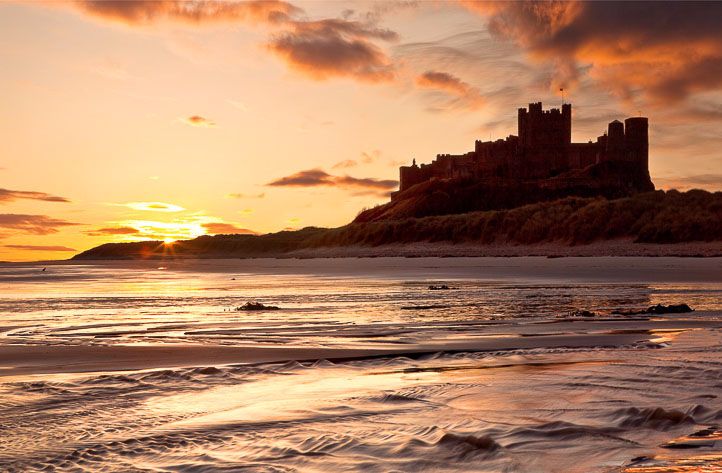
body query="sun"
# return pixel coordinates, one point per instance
(168, 241)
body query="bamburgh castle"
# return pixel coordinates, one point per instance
(543, 155)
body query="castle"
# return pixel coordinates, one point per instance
(543, 155)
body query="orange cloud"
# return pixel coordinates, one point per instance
(467, 96)
(219, 228)
(319, 177)
(320, 49)
(146, 12)
(370, 157)
(154, 206)
(442, 81)
(238, 195)
(180, 228)
(7, 195)
(335, 48)
(662, 50)
(40, 248)
(112, 231)
(348, 163)
(197, 120)
(33, 224)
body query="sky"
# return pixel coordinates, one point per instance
(166, 120)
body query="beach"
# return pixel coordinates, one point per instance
(370, 364)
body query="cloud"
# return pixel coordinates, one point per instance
(467, 96)
(711, 182)
(238, 195)
(33, 224)
(663, 51)
(335, 47)
(348, 163)
(370, 157)
(180, 228)
(312, 177)
(218, 228)
(319, 177)
(154, 206)
(197, 120)
(112, 231)
(147, 12)
(442, 81)
(177, 229)
(40, 248)
(320, 49)
(7, 195)
(366, 158)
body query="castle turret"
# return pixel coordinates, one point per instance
(567, 122)
(615, 141)
(636, 141)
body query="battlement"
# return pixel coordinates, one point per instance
(544, 150)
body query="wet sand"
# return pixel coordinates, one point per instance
(21, 360)
(393, 264)
(145, 366)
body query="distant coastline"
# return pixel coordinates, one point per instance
(657, 223)
(613, 248)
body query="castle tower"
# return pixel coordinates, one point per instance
(567, 122)
(539, 128)
(615, 141)
(636, 142)
(409, 176)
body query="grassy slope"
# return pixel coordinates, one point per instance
(653, 217)
(456, 196)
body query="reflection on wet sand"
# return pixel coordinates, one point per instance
(98, 375)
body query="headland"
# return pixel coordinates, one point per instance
(534, 193)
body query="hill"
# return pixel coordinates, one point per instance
(657, 217)
(453, 196)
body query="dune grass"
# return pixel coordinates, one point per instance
(652, 217)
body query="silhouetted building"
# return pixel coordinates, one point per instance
(543, 152)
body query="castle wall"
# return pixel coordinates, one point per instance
(582, 155)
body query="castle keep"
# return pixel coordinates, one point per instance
(543, 154)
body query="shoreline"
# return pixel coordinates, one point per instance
(610, 248)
